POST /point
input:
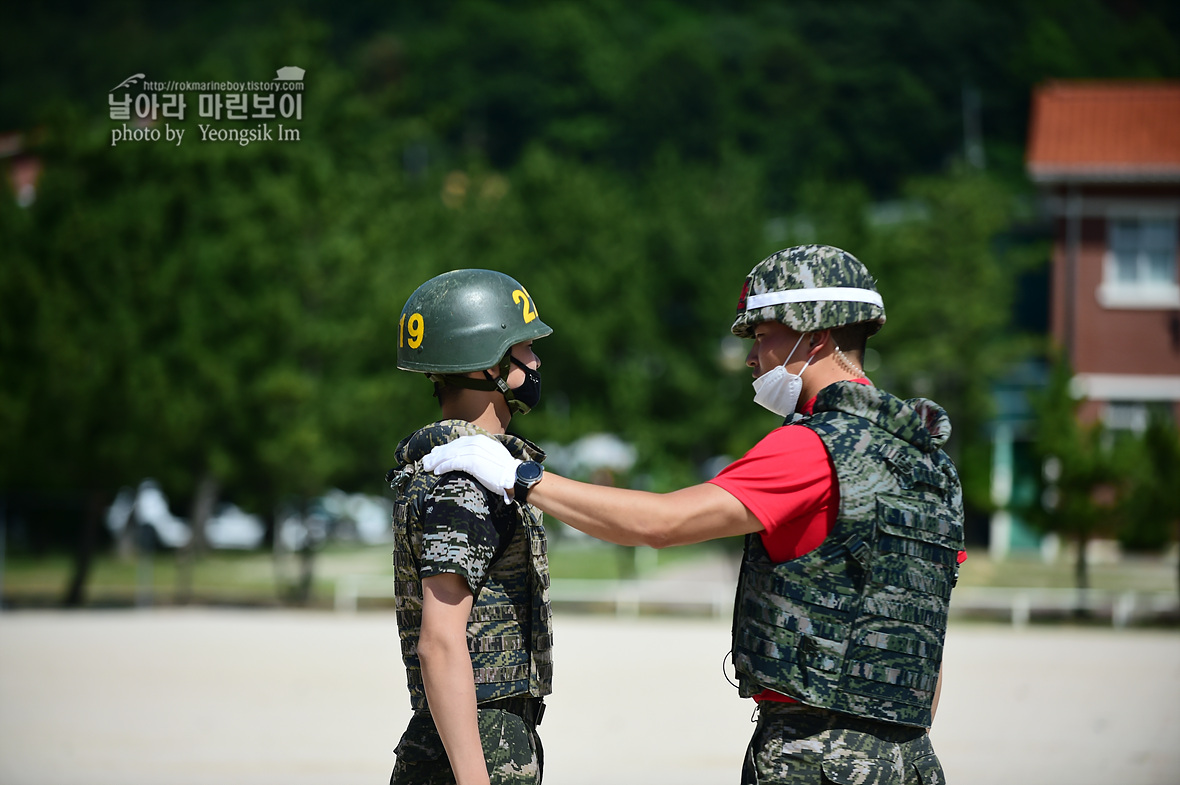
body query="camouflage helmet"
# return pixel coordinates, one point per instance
(465, 320)
(808, 288)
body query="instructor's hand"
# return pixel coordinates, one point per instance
(484, 458)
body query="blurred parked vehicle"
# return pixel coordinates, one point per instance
(359, 517)
(592, 453)
(298, 531)
(228, 528)
(232, 527)
(345, 517)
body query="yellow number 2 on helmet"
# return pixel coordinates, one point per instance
(521, 298)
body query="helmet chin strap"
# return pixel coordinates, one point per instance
(486, 384)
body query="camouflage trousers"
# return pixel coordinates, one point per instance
(795, 744)
(511, 748)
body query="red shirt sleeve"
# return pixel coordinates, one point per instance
(789, 483)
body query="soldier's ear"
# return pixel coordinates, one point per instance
(818, 340)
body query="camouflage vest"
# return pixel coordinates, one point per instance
(510, 630)
(857, 625)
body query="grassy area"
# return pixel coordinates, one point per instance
(1144, 574)
(257, 579)
(589, 559)
(220, 577)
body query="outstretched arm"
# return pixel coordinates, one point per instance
(447, 674)
(693, 514)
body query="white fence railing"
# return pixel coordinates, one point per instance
(1020, 604)
(628, 597)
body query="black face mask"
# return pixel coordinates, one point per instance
(520, 399)
(528, 394)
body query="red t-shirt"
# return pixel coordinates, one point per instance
(798, 508)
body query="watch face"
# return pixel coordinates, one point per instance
(529, 471)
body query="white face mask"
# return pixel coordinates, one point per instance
(778, 390)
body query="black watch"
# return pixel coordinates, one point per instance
(528, 474)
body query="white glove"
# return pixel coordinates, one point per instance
(484, 458)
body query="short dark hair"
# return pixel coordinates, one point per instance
(443, 392)
(854, 337)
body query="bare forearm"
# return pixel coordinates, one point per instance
(450, 691)
(626, 517)
(447, 674)
(612, 514)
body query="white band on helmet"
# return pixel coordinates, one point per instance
(845, 294)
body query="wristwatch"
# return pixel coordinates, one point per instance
(528, 474)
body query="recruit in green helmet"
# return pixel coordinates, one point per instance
(808, 288)
(465, 320)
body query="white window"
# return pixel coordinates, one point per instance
(1140, 270)
(1136, 415)
(1126, 416)
(1144, 251)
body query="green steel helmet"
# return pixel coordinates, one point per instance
(808, 288)
(465, 320)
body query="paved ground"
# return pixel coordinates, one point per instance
(255, 697)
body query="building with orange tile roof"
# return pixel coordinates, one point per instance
(1107, 157)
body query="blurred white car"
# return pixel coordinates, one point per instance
(357, 516)
(232, 527)
(345, 517)
(590, 453)
(229, 527)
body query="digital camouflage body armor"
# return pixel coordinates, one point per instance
(509, 631)
(857, 625)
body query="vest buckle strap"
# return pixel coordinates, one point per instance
(803, 652)
(860, 552)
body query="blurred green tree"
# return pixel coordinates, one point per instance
(949, 285)
(208, 310)
(1152, 505)
(1087, 468)
(220, 316)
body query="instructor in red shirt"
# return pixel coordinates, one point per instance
(853, 519)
